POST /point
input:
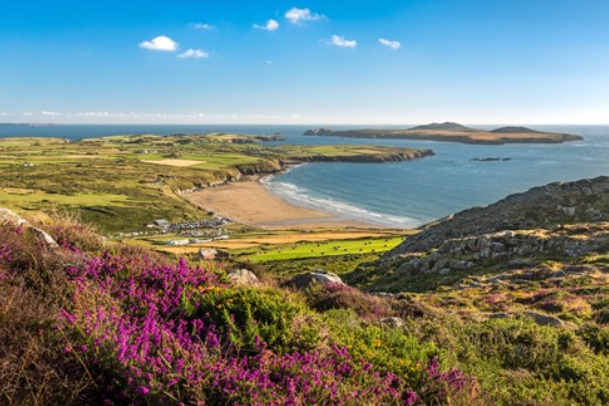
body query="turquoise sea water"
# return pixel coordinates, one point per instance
(404, 194)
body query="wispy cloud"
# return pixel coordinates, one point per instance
(269, 62)
(194, 54)
(160, 43)
(94, 114)
(390, 44)
(340, 41)
(297, 15)
(271, 25)
(203, 26)
(50, 113)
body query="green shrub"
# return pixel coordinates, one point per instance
(387, 348)
(596, 337)
(337, 296)
(248, 316)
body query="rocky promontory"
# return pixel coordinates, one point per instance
(542, 207)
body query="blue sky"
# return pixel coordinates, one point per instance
(310, 61)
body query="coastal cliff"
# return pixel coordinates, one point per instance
(566, 223)
(545, 207)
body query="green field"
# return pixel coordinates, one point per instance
(107, 181)
(327, 248)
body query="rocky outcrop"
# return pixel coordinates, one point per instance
(460, 254)
(490, 159)
(318, 131)
(242, 277)
(10, 216)
(538, 318)
(322, 276)
(584, 201)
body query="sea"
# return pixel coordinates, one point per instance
(402, 194)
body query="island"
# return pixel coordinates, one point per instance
(454, 132)
(28, 125)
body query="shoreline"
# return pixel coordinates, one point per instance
(249, 202)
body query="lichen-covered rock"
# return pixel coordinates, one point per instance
(319, 276)
(10, 216)
(242, 277)
(544, 319)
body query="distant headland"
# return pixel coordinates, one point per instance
(28, 125)
(454, 132)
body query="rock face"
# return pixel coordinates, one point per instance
(10, 216)
(543, 207)
(569, 241)
(322, 276)
(242, 277)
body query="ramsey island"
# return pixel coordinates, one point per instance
(453, 132)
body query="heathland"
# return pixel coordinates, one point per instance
(502, 305)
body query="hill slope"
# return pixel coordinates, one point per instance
(541, 207)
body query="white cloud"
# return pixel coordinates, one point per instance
(390, 44)
(194, 54)
(297, 15)
(270, 25)
(340, 41)
(203, 26)
(94, 114)
(160, 43)
(50, 113)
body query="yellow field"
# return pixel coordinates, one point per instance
(175, 162)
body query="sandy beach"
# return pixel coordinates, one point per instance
(251, 203)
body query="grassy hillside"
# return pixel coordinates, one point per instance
(94, 322)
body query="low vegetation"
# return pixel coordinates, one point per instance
(95, 322)
(91, 322)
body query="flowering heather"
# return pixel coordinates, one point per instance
(130, 322)
(139, 328)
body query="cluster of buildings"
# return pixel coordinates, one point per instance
(197, 228)
(190, 225)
